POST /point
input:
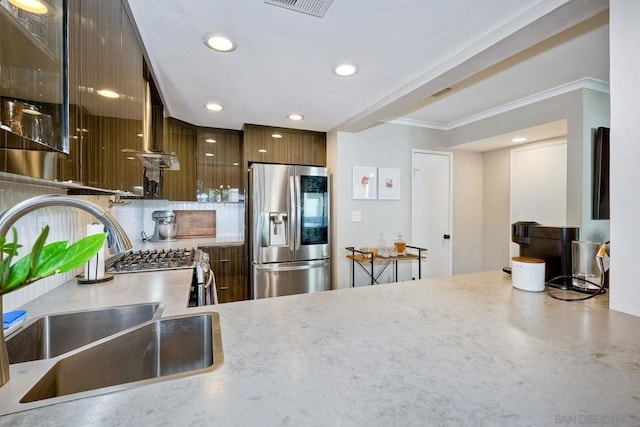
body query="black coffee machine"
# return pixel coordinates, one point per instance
(552, 244)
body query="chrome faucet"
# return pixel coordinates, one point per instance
(117, 241)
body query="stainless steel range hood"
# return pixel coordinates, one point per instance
(159, 160)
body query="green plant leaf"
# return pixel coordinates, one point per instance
(6, 263)
(18, 273)
(82, 251)
(4, 272)
(9, 248)
(37, 248)
(47, 260)
(51, 256)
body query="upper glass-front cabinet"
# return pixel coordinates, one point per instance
(219, 174)
(32, 72)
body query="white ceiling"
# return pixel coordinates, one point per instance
(492, 53)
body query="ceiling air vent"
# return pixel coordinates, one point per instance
(310, 7)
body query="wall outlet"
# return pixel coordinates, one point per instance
(356, 216)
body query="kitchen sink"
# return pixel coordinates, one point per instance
(55, 334)
(155, 351)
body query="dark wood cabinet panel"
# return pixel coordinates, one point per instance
(219, 165)
(227, 263)
(104, 53)
(293, 147)
(213, 161)
(180, 138)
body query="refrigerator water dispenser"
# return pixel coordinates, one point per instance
(278, 229)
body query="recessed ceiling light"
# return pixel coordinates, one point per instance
(209, 154)
(131, 158)
(210, 140)
(32, 6)
(108, 93)
(296, 117)
(235, 163)
(214, 106)
(276, 135)
(345, 70)
(140, 135)
(519, 139)
(219, 43)
(262, 150)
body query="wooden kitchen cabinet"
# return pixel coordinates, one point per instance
(210, 163)
(219, 167)
(180, 138)
(104, 53)
(228, 266)
(213, 161)
(294, 147)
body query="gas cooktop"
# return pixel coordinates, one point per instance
(152, 260)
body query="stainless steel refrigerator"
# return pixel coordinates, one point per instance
(288, 214)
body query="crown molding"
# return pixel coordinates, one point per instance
(418, 123)
(585, 83)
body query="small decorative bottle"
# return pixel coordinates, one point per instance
(400, 245)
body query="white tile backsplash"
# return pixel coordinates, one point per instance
(68, 223)
(136, 216)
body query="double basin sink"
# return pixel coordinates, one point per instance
(115, 348)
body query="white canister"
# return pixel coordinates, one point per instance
(94, 269)
(527, 273)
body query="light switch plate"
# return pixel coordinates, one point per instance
(356, 216)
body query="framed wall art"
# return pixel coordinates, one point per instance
(388, 184)
(364, 183)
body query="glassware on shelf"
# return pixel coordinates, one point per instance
(400, 246)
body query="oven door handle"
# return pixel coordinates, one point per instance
(209, 288)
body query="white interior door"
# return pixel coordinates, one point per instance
(431, 211)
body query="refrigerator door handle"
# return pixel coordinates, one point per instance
(288, 267)
(292, 214)
(298, 214)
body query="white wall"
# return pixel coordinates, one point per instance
(584, 109)
(625, 152)
(467, 232)
(495, 210)
(538, 185)
(596, 112)
(381, 219)
(538, 179)
(390, 145)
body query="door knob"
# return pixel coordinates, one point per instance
(446, 236)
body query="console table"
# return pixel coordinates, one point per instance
(367, 261)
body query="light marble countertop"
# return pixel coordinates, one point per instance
(462, 350)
